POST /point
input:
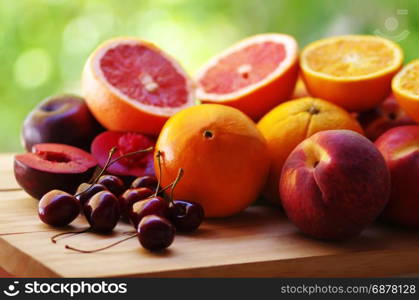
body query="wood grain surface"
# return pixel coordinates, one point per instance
(259, 242)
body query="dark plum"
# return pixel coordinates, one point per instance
(186, 216)
(155, 233)
(102, 212)
(63, 119)
(58, 208)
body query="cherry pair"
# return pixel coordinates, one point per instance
(97, 201)
(156, 219)
(139, 202)
(186, 216)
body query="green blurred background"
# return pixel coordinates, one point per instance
(44, 43)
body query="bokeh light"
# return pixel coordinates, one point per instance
(32, 68)
(45, 43)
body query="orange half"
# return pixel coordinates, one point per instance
(405, 87)
(352, 71)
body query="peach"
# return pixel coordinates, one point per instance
(400, 148)
(334, 184)
(382, 118)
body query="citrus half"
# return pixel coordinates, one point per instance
(352, 71)
(253, 75)
(131, 85)
(405, 87)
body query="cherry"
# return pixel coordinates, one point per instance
(113, 183)
(186, 216)
(102, 212)
(86, 191)
(151, 206)
(131, 196)
(155, 232)
(147, 181)
(58, 208)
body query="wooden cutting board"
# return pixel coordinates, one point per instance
(258, 242)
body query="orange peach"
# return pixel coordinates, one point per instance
(400, 148)
(334, 184)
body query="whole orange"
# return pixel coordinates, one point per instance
(290, 123)
(223, 155)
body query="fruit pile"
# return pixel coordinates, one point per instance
(298, 128)
(106, 199)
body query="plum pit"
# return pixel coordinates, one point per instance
(53, 156)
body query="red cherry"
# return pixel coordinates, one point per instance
(58, 208)
(131, 196)
(151, 206)
(155, 233)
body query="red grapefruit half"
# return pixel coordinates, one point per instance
(131, 85)
(254, 75)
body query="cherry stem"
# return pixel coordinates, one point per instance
(24, 232)
(11, 189)
(103, 248)
(158, 155)
(178, 178)
(130, 154)
(166, 187)
(71, 233)
(109, 162)
(103, 170)
(129, 232)
(105, 167)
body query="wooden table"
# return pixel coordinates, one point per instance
(258, 242)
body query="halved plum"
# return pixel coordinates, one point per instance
(126, 142)
(53, 166)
